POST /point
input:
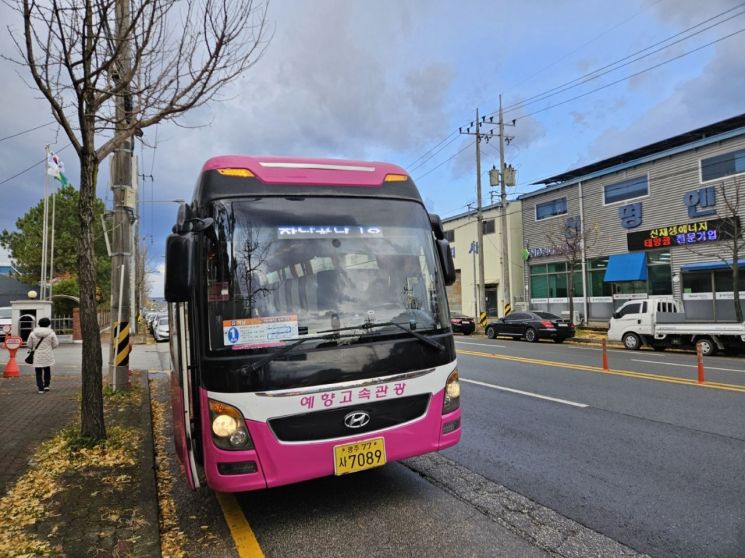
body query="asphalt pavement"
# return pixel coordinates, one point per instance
(642, 454)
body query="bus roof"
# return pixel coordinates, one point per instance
(230, 176)
(303, 170)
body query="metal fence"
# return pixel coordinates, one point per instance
(62, 325)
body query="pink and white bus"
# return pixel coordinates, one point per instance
(310, 333)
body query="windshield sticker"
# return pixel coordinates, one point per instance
(252, 333)
(315, 231)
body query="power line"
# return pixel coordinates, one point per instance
(635, 74)
(424, 161)
(32, 166)
(27, 131)
(433, 169)
(431, 149)
(580, 47)
(625, 61)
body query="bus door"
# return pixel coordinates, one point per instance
(182, 391)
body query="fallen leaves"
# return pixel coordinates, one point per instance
(171, 536)
(35, 496)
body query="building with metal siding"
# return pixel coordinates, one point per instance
(665, 202)
(461, 231)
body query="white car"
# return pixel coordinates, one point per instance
(161, 331)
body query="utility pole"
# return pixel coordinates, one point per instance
(125, 201)
(507, 300)
(504, 177)
(486, 136)
(479, 214)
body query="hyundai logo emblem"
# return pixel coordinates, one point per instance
(356, 419)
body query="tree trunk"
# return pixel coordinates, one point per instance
(735, 286)
(570, 291)
(91, 409)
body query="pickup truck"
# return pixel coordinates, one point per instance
(661, 323)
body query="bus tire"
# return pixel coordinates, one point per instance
(708, 347)
(632, 342)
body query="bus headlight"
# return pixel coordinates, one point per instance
(228, 427)
(452, 393)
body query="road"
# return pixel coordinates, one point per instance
(655, 464)
(557, 456)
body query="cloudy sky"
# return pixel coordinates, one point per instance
(391, 80)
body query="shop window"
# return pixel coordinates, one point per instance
(697, 282)
(720, 166)
(626, 190)
(557, 285)
(660, 278)
(550, 208)
(723, 280)
(556, 267)
(536, 269)
(539, 286)
(596, 285)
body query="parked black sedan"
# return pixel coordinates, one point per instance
(462, 323)
(532, 326)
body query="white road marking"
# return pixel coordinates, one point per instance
(554, 399)
(481, 344)
(687, 365)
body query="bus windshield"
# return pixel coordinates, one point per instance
(283, 268)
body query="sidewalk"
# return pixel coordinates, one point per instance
(60, 497)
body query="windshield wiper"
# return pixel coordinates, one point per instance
(370, 325)
(287, 348)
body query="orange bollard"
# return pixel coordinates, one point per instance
(700, 359)
(605, 353)
(12, 343)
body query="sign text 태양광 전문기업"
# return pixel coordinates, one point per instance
(695, 232)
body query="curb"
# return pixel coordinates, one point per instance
(148, 488)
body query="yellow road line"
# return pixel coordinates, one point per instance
(243, 536)
(613, 372)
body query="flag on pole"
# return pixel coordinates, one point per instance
(56, 168)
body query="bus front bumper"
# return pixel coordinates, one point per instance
(275, 463)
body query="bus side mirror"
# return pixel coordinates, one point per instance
(436, 224)
(446, 259)
(179, 279)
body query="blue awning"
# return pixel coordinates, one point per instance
(709, 266)
(627, 267)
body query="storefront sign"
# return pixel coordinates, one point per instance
(545, 251)
(630, 296)
(601, 299)
(695, 232)
(698, 296)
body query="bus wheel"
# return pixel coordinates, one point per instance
(708, 347)
(631, 341)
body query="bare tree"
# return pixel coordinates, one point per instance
(568, 239)
(162, 58)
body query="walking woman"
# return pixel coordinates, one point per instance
(43, 341)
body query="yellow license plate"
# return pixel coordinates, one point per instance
(358, 456)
